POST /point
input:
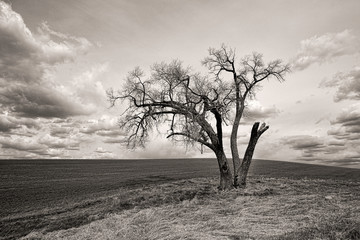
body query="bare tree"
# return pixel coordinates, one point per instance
(195, 107)
(187, 103)
(249, 72)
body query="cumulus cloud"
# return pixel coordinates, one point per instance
(104, 124)
(88, 87)
(9, 123)
(27, 86)
(349, 161)
(38, 138)
(61, 132)
(325, 48)
(336, 143)
(311, 147)
(40, 146)
(342, 133)
(115, 140)
(323, 150)
(21, 144)
(101, 150)
(256, 112)
(38, 109)
(101, 153)
(69, 143)
(339, 147)
(106, 128)
(6, 125)
(29, 147)
(40, 101)
(24, 53)
(347, 84)
(346, 126)
(110, 132)
(304, 142)
(56, 138)
(349, 116)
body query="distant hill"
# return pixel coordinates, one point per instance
(272, 168)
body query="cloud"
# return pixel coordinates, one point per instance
(101, 153)
(349, 116)
(29, 147)
(157, 148)
(336, 143)
(347, 124)
(40, 137)
(41, 101)
(61, 132)
(101, 150)
(342, 133)
(319, 149)
(27, 65)
(24, 52)
(339, 147)
(8, 123)
(347, 84)
(256, 112)
(304, 142)
(105, 126)
(57, 138)
(325, 48)
(21, 144)
(88, 88)
(41, 144)
(114, 140)
(69, 143)
(349, 161)
(110, 132)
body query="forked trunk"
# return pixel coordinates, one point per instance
(225, 173)
(246, 162)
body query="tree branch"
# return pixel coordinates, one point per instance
(209, 145)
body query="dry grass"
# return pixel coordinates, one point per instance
(269, 208)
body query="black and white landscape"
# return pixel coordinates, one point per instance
(147, 119)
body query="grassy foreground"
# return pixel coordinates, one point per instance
(269, 208)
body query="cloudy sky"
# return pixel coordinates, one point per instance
(57, 58)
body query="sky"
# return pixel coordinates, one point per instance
(58, 58)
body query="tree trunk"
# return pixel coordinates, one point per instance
(246, 162)
(234, 145)
(225, 173)
(235, 153)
